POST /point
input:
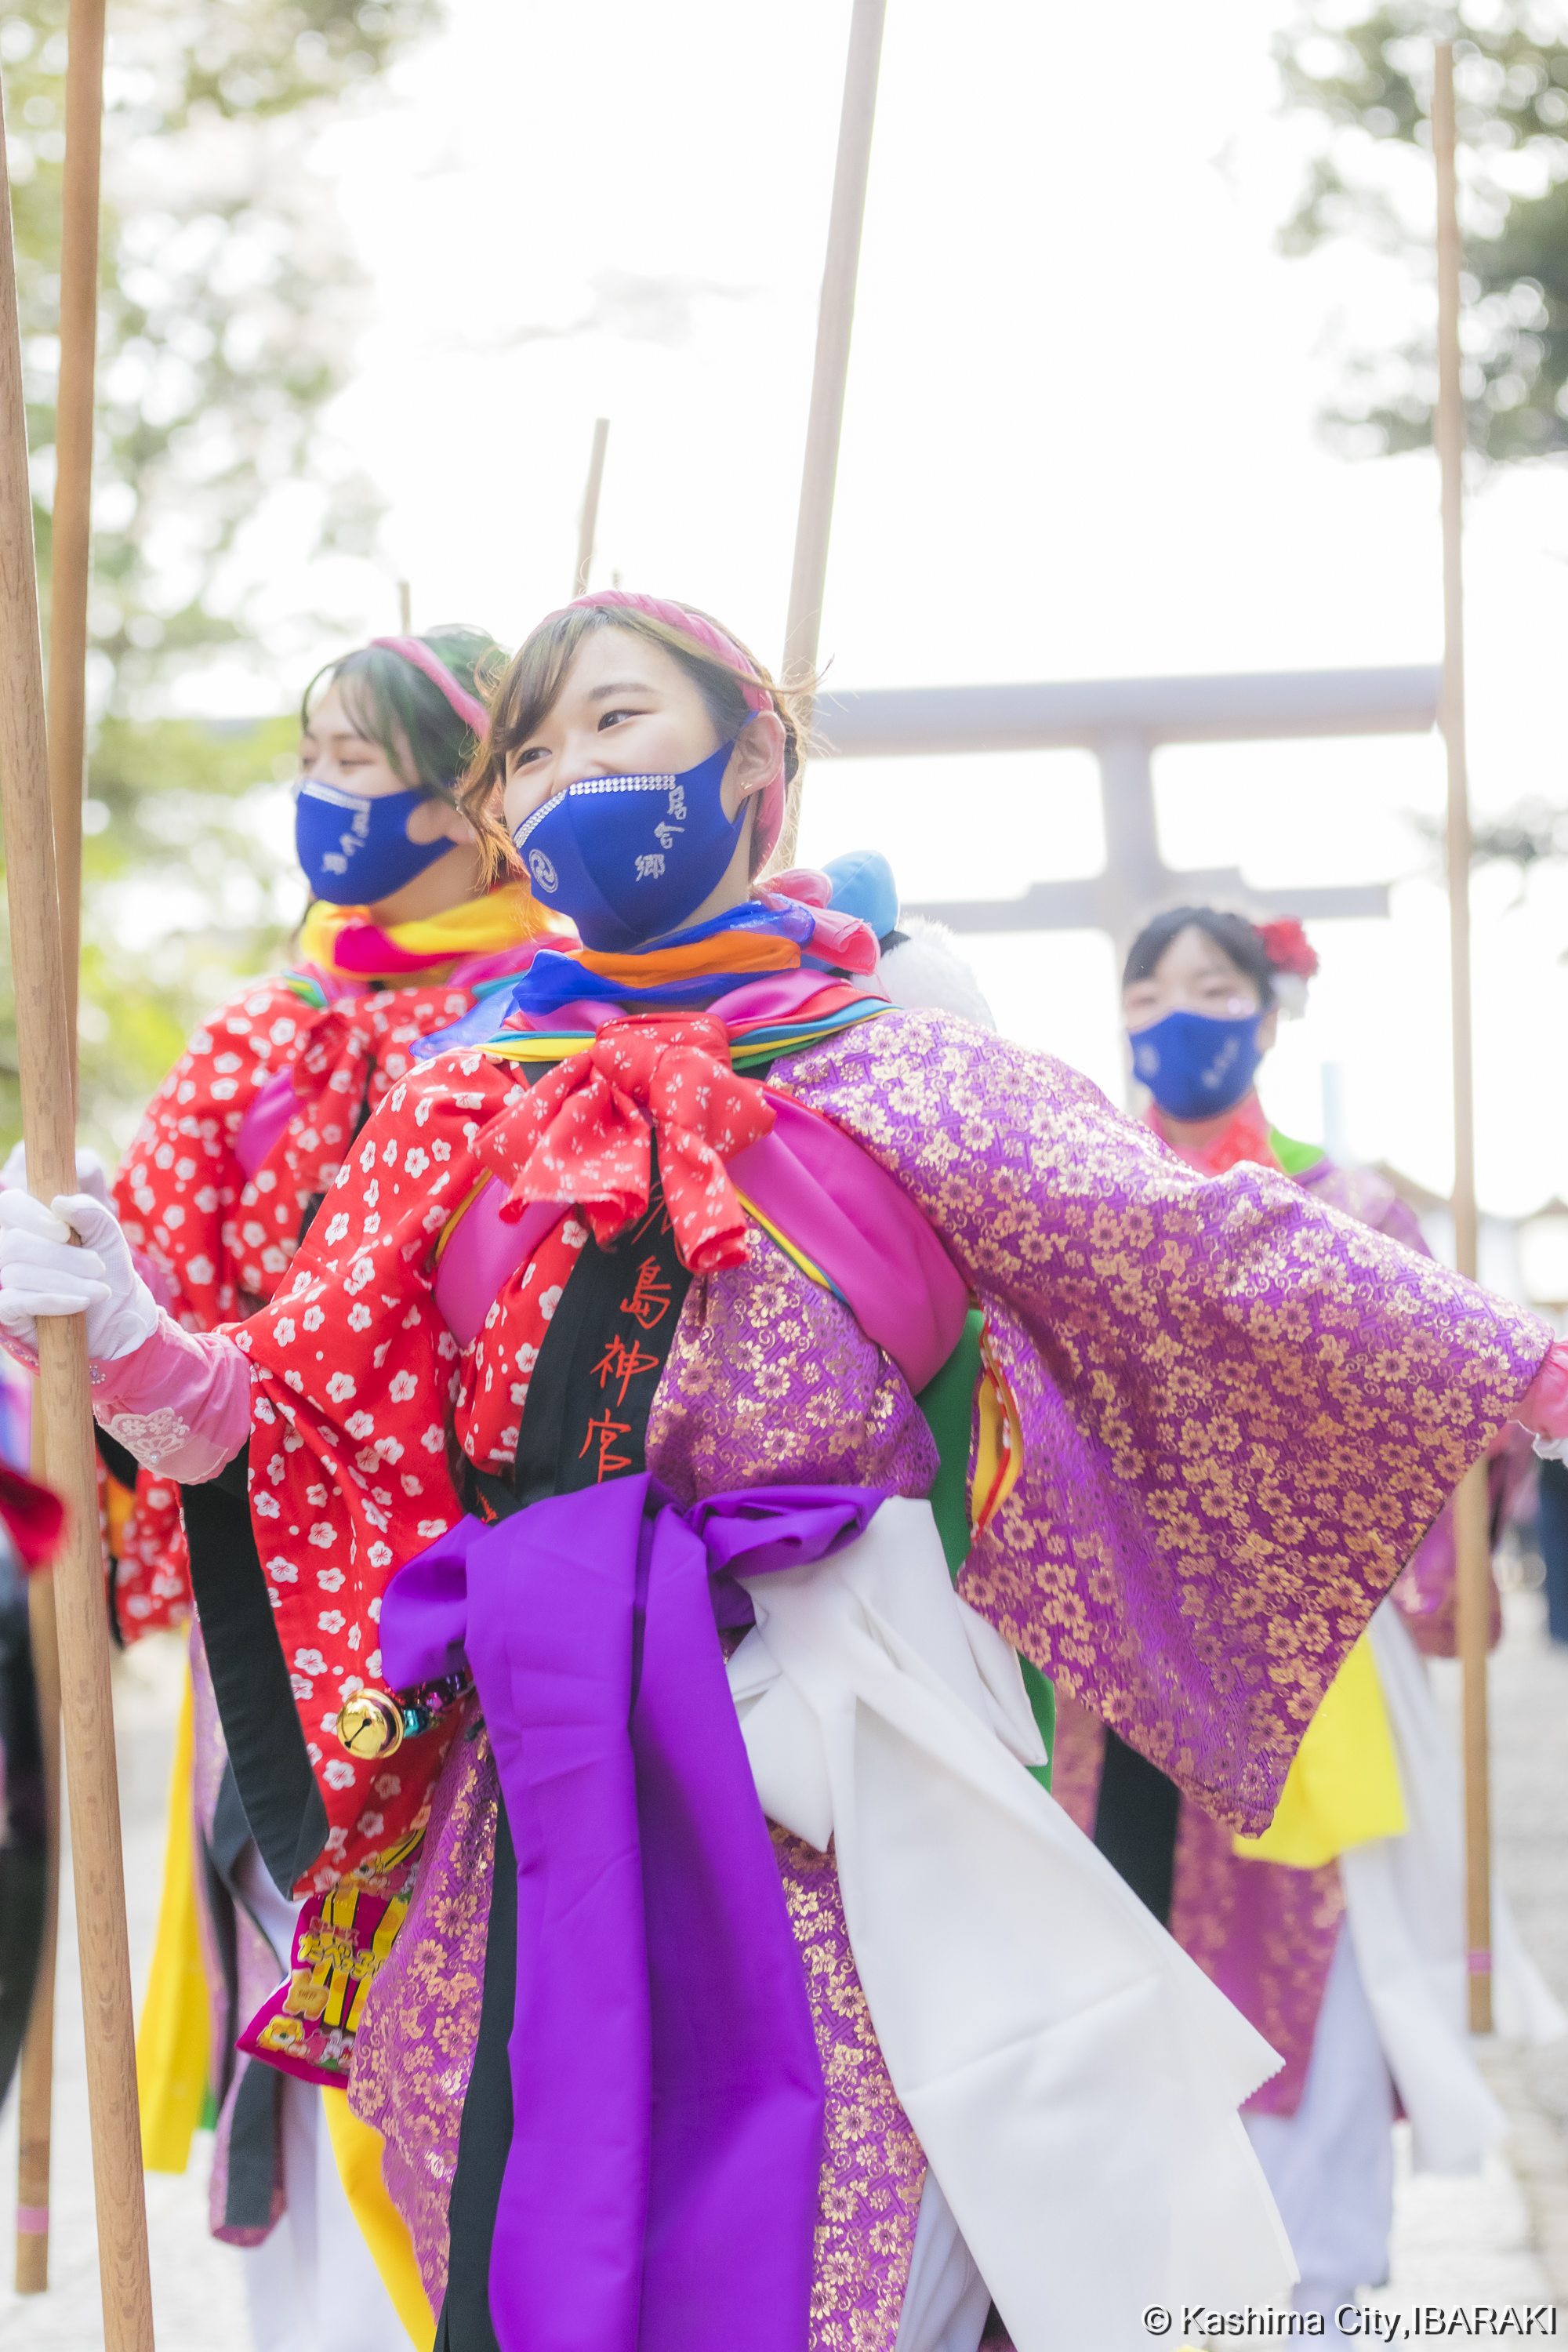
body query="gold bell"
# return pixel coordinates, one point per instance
(370, 1725)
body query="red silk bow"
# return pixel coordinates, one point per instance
(584, 1134)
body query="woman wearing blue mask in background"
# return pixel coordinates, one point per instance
(218, 1187)
(1320, 1931)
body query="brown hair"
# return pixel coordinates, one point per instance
(390, 702)
(531, 684)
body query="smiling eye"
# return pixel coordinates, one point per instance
(614, 717)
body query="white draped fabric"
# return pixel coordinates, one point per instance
(1330, 2164)
(1405, 1904)
(1073, 2076)
(945, 2300)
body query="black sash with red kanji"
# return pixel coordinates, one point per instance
(589, 1395)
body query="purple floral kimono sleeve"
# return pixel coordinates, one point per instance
(1240, 1409)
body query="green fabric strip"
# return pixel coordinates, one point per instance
(948, 1404)
(1294, 1157)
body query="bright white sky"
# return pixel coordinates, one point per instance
(1079, 442)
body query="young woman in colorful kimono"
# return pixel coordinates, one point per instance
(576, 1534)
(1339, 1932)
(236, 1149)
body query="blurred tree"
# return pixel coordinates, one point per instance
(228, 307)
(1533, 833)
(229, 301)
(189, 887)
(1369, 80)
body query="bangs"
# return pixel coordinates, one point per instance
(534, 678)
(532, 684)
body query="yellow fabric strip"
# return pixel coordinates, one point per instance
(1343, 1788)
(357, 2148)
(171, 2040)
(998, 1444)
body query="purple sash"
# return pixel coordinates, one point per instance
(660, 2191)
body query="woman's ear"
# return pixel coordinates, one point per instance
(1268, 1029)
(437, 819)
(757, 760)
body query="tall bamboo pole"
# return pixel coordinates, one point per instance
(835, 323)
(1470, 1510)
(69, 571)
(70, 531)
(588, 520)
(44, 1058)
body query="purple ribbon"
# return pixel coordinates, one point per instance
(660, 2191)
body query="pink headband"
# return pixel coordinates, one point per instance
(472, 713)
(770, 814)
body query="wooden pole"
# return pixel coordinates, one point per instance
(405, 609)
(835, 321)
(70, 559)
(44, 1059)
(588, 522)
(70, 549)
(1472, 1530)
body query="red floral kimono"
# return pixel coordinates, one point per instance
(247, 1130)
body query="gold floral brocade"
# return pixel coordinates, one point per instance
(414, 2050)
(772, 1382)
(1240, 1408)
(873, 2169)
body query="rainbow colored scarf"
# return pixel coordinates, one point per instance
(565, 991)
(343, 943)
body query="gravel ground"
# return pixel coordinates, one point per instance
(1501, 2240)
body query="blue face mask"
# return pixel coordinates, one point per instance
(629, 857)
(1195, 1066)
(355, 851)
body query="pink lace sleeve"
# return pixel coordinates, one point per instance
(180, 1403)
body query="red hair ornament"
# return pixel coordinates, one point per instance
(1292, 961)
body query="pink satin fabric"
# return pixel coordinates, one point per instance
(265, 1122)
(826, 1194)
(830, 1198)
(1544, 1408)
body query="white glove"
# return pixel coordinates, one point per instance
(41, 1273)
(91, 1172)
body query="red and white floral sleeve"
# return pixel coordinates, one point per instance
(355, 1373)
(178, 1185)
(226, 1240)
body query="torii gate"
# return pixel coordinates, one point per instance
(1123, 722)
